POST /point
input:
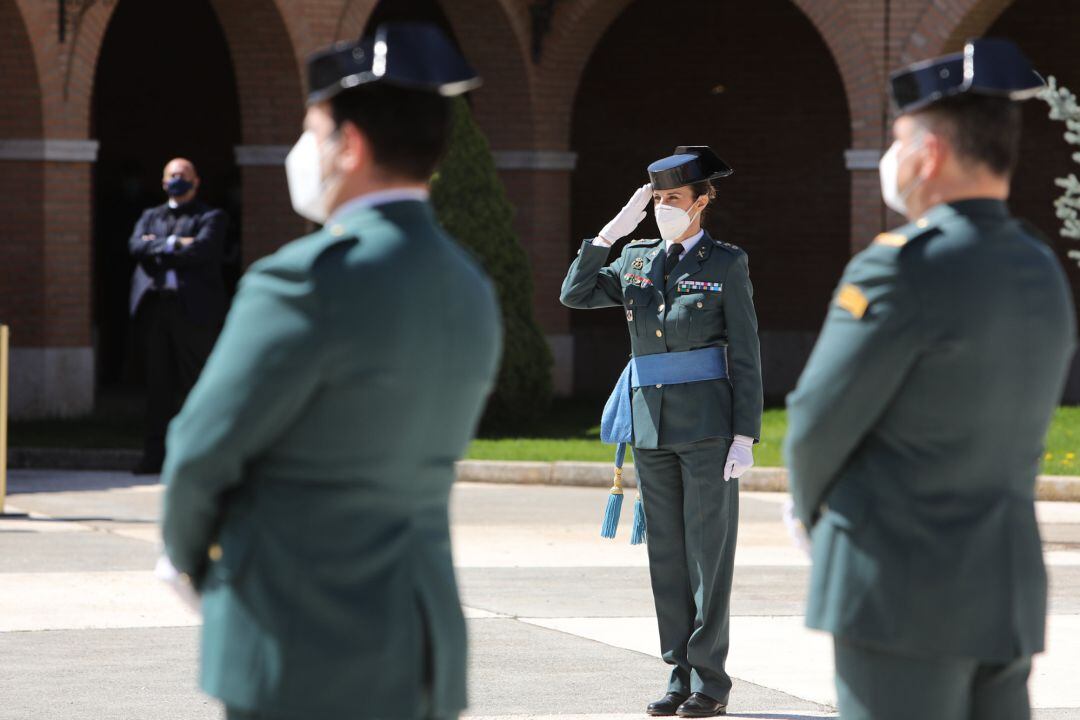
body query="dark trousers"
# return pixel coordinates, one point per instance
(692, 516)
(176, 350)
(874, 684)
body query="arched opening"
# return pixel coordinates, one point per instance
(424, 11)
(1045, 31)
(153, 102)
(21, 184)
(757, 83)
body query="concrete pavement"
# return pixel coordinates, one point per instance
(560, 620)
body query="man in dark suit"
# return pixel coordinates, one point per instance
(308, 475)
(917, 428)
(180, 298)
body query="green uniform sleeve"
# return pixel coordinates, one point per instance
(591, 284)
(744, 349)
(871, 338)
(262, 372)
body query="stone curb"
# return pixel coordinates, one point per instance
(579, 474)
(592, 474)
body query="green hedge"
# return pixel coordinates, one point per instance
(471, 204)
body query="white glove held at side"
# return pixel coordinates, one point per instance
(740, 457)
(628, 218)
(179, 582)
(799, 537)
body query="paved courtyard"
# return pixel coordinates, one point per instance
(560, 621)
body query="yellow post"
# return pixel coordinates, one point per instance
(3, 413)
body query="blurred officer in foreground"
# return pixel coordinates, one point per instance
(178, 298)
(917, 427)
(309, 472)
(690, 403)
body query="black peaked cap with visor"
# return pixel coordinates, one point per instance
(987, 66)
(407, 55)
(688, 165)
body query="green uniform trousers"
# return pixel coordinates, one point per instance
(692, 516)
(875, 684)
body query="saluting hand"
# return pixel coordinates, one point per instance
(628, 218)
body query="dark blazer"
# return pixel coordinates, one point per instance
(708, 303)
(308, 475)
(197, 266)
(916, 431)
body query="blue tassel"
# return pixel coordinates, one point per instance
(638, 535)
(612, 513)
(615, 498)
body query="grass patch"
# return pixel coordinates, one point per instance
(579, 440)
(570, 430)
(1063, 443)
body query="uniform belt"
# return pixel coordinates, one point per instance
(673, 368)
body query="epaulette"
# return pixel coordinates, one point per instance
(303, 253)
(904, 234)
(730, 247)
(645, 242)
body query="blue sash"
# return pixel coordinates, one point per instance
(672, 368)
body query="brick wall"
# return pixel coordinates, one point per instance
(803, 81)
(21, 184)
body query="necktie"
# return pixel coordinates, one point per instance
(672, 260)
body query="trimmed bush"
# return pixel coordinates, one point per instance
(471, 204)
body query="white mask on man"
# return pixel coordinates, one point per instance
(308, 188)
(889, 170)
(672, 221)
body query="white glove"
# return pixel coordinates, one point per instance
(740, 457)
(799, 537)
(628, 218)
(179, 582)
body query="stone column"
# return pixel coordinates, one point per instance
(49, 270)
(538, 184)
(268, 220)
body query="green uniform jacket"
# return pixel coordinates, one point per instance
(708, 303)
(317, 450)
(919, 422)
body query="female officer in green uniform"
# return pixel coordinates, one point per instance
(693, 399)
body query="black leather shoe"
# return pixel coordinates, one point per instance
(666, 705)
(699, 705)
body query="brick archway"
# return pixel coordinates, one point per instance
(579, 27)
(945, 24)
(789, 143)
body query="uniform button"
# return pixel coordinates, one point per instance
(630, 301)
(214, 553)
(661, 308)
(337, 230)
(659, 333)
(659, 386)
(700, 304)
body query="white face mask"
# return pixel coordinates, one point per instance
(672, 221)
(308, 188)
(889, 169)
